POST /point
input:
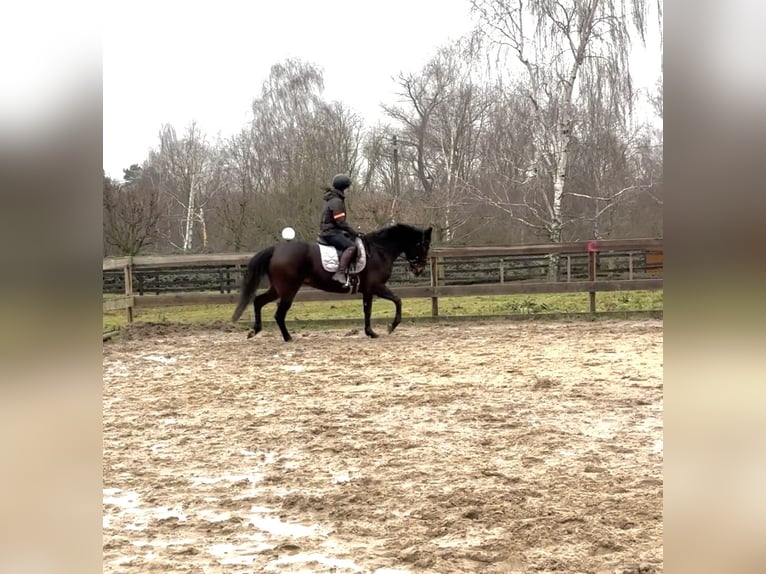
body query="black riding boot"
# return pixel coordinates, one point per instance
(345, 259)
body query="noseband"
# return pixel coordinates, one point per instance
(413, 261)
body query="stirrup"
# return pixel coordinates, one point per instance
(341, 278)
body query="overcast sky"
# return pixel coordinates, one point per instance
(172, 61)
(176, 61)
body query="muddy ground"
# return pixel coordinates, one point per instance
(495, 447)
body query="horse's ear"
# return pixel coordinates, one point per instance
(428, 233)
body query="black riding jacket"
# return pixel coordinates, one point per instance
(334, 215)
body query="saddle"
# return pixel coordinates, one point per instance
(330, 257)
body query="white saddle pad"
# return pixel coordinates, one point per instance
(330, 260)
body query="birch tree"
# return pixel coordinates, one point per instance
(558, 44)
(190, 176)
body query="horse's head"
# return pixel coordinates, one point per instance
(417, 251)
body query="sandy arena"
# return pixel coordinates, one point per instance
(465, 447)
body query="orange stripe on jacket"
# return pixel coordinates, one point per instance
(339, 215)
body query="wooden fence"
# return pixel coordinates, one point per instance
(585, 266)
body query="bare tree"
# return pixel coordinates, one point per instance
(338, 138)
(564, 47)
(131, 212)
(442, 117)
(300, 141)
(458, 127)
(244, 184)
(380, 203)
(283, 117)
(420, 94)
(607, 166)
(190, 175)
(507, 180)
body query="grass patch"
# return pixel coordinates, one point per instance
(411, 308)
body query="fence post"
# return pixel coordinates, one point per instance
(434, 281)
(502, 271)
(592, 254)
(129, 289)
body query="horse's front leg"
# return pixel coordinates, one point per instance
(386, 293)
(367, 305)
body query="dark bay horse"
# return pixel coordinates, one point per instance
(290, 265)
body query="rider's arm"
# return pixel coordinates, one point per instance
(339, 217)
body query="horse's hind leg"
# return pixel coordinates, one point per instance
(282, 308)
(258, 303)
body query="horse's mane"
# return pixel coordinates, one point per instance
(392, 232)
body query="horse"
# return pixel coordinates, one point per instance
(290, 265)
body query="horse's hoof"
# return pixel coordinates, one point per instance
(250, 334)
(371, 334)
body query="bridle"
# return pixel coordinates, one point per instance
(416, 260)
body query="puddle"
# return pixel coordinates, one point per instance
(294, 368)
(164, 543)
(128, 502)
(261, 529)
(314, 558)
(238, 554)
(276, 527)
(159, 359)
(253, 478)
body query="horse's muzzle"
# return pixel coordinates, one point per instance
(417, 268)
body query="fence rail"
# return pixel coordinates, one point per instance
(585, 266)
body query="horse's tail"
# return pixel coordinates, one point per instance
(256, 269)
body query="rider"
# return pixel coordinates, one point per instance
(334, 229)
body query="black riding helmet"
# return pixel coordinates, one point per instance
(341, 182)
